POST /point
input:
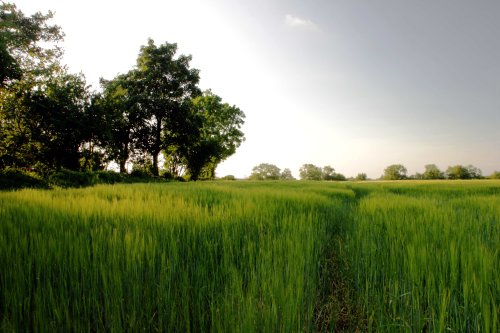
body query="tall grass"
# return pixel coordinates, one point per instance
(165, 257)
(426, 256)
(252, 256)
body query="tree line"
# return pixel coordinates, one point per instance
(267, 171)
(51, 120)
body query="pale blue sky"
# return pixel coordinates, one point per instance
(357, 85)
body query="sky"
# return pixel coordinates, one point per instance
(357, 85)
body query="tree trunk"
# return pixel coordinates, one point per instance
(155, 164)
(122, 166)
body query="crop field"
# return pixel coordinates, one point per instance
(252, 257)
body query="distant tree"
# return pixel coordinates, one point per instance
(361, 177)
(416, 176)
(495, 175)
(310, 172)
(474, 172)
(395, 172)
(287, 174)
(265, 171)
(328, 173)
(457, 172)
(432, 172)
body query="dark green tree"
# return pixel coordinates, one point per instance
(215, 134)
(120, 119)
(457, 172)
(162, 85)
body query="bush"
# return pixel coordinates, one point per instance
(108, 177)
(67, 178)
(11, 179)
(228, 177)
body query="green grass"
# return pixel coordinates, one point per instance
(252, 256)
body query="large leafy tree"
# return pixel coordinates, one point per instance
(44, 125)
(215, 136)
(163, 85)
(120, 119)
(41, 105)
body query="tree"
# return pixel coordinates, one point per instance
(27, 44)
(474, 172)
(163, 85)
(394, 172)
(361, 177)
(310, 172)
(457, 172)
(44, 125)
(119, 119)
(215, 136)
(495, 175)
(286, 174)
(328, 173)
(265, 171)
(432, 172)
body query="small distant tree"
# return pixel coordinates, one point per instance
(328, 173)
(361, 177)
(395, 172)
(474, 172)
(265, 171)
(287, 174)
(495, 175)
(310, 172)
(432, 172)
(457, 172)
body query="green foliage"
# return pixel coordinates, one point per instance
(394, 172)
(215, 137)
(15, 179)
(21, 40)
(463, 172)
(432, 172)
(310, 172)
(495, 175)
(286, 174)
(162, 86)
(228, 177)
(361, 177)
(265, 171)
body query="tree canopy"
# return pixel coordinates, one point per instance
(49, 119)
(265, 171)
(395, 172)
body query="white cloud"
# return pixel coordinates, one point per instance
(298, 22)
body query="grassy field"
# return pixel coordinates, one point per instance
(252, 256)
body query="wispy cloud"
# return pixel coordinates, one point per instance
(298, 22)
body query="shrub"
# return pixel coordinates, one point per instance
(11, 178)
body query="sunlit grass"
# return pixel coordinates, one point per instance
(252, 256)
